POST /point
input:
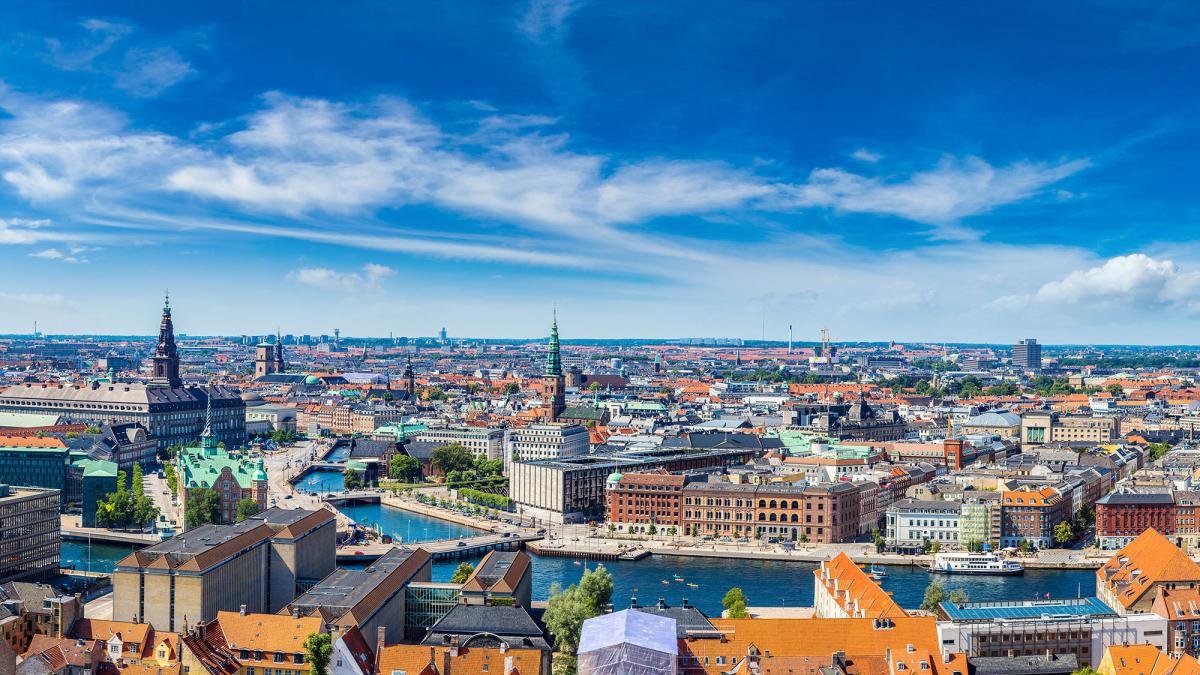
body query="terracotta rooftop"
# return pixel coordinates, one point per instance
(1149, 559)
(855, 591)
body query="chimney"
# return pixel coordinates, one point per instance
(295, 612)
(380, 638)
(508, 663)
(242, 610)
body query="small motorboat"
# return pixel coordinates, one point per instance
(691, 585)
(678, 578)
(877, 573)
(666, 582)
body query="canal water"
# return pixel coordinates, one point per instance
(320, 481)
(765, 582)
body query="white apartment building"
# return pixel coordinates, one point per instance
(485, 442)
(546, 441)
(910, 522)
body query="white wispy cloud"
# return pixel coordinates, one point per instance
(32, 299)
(368, 278)
(545, 21)
(954, 190)
(106, 49)
(51, 148)
(865, 155)
(70, 254)
(320, 170)
(150, 72)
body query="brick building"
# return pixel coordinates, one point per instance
(825, 513)
(1031, 515)
(637, 500)
(1122, 516)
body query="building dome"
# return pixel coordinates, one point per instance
(614, 478)
(994, 419)
(251, 396)
(312, 379)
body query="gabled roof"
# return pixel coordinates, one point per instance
(856, 592)
(1149, 559)
(1148, 660)
(267, 632)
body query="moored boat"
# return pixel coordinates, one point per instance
(975, 563)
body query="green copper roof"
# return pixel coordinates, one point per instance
(401, 431)
(98, 468)
(200, 467)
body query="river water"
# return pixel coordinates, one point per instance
(765, 582)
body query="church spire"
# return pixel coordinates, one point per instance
(207, 440)
(553, 353)
(166, 355)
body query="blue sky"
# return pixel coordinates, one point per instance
(935, 171)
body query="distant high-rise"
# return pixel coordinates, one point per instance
(1027, 354)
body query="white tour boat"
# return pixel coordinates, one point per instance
(975, 563)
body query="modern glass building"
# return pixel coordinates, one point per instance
(30, 537)
(425, 604)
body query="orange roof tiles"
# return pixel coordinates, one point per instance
(1149, 559)
(856, 592)
(908, 639)
(433, 660)
(1145, 660)
(268, 632)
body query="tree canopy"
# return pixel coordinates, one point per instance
(203, 505)
(404, 467)
(453, 457)
(462, 573)
(318, 647)
(246, 508)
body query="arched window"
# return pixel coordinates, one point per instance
(772, 517)
(773, 503)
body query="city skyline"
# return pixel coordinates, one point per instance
(965, 174)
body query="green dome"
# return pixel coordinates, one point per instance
(312, 379)
(615, 477)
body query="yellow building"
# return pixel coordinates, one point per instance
(260, 563)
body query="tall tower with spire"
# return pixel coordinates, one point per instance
(553, 381)
(208, 441)
(166, 355)
(410, 380)
(280, 365)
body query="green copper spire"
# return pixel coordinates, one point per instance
(207, 440)
(553, 357)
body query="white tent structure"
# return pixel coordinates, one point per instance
(628, 642)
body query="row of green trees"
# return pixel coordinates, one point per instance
(485, 498)
(127, 507)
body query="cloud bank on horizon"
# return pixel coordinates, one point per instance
(423, 169)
